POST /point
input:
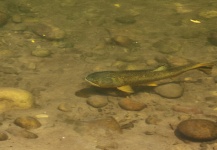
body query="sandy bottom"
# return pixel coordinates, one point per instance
(59, 78)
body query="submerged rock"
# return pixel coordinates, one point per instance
(153, 119)
(212, 38)
(47, 31)
(16, 18)
(65, 107)
(22, 133)
(168, 46)
(208, 14)
(170, 90)
(123, 41)
(27, 122)
(3, 18)
(197, 129)
(41, 52)
(131, 105)
(3, 136)
(126, 19)
(14, 98)
(187, 109)
(95, 126)
(97, 101)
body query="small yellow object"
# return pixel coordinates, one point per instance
(33, 41)
(117, 5)
(41, 116)
(195, 21)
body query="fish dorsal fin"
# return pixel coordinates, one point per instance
(126, 89)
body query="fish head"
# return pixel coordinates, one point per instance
(100, 79)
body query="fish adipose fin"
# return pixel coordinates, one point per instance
(126, 89)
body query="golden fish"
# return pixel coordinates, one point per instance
(123, 80)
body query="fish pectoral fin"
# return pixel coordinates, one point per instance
(161, 68)
(126, 88)
(152, 84)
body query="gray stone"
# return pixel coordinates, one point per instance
(198, 129)
(97, 101)
(171, 90)
(41, 52)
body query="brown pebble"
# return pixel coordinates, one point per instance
(97, 101)
(64, 107)
(128, 125)
(170, 90)
(47, 31)
(16, 18)
(123, 41)
(187, 109)
(22, 133)
(27, 122)
(3, 18)
(149, 132)
(212, 38)
(198, 129)
(126, 19)
(131, 105)
(152, 120)
(3, 136)
(108, 124)
(107, 146)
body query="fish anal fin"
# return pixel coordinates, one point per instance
(126, 89)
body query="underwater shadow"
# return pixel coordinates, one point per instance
(90, 91)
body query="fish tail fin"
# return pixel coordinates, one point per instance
(205, 67)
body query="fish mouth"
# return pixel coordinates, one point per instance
(94, 84)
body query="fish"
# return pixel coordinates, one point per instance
(124, 80)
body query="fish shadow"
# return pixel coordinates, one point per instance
(90, 91)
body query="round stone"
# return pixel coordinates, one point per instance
(16, 18)
(27, 122)
(3, 136)
(3, 18)
(126, 19)
(47, 31)
(152, 120)
(208, 14)
(122, 41)
(212, 38)
(14, 98)
(198, 129)
(167, 46)
(18, 132)
(97, 101)
(65, 107)
(41, 53)
(171, 90)
(131, 105)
